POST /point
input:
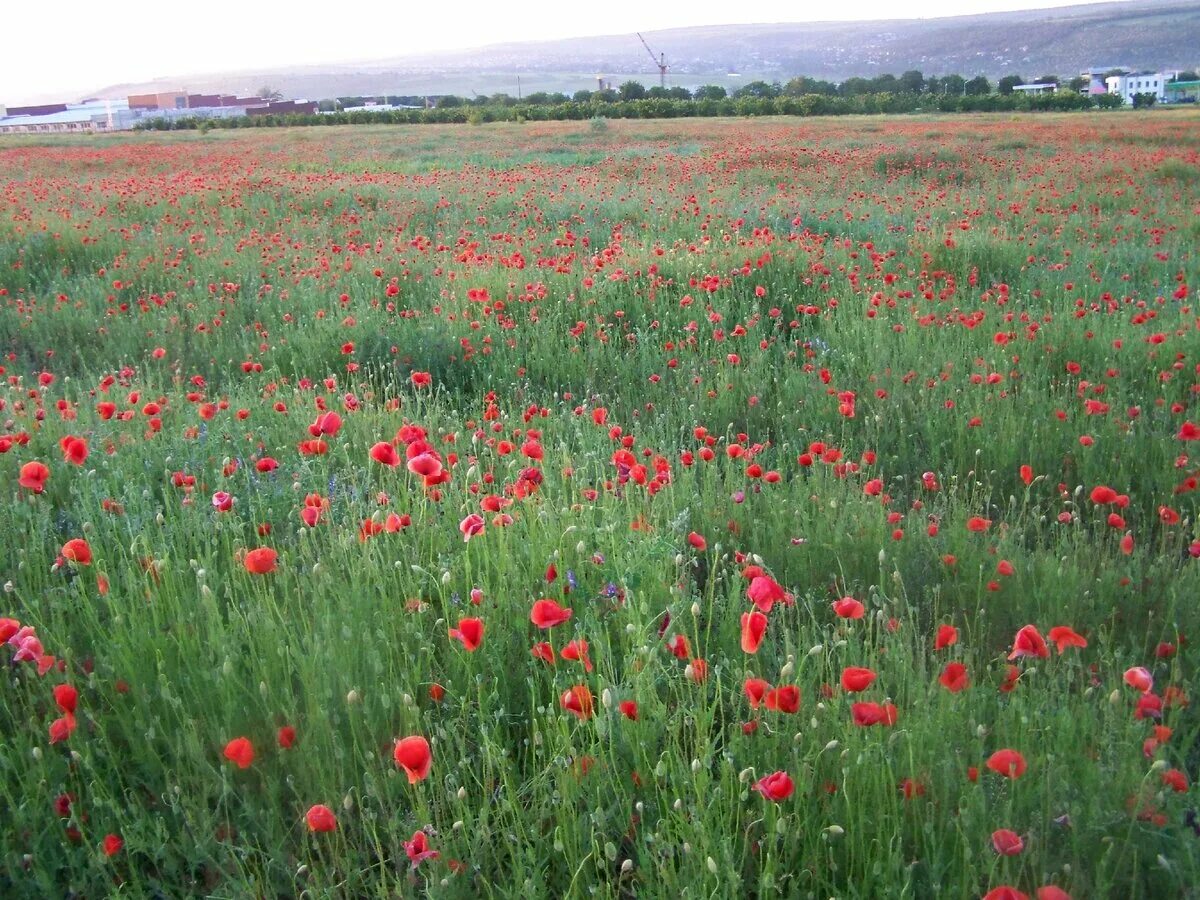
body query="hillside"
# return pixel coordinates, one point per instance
(1161, 34)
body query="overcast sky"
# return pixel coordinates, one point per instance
(70, 47)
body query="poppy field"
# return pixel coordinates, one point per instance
(772, 508)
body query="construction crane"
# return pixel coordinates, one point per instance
(660, 61)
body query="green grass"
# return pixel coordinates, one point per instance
(709, 285)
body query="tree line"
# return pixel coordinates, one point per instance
(805, 105)
(910, 83)
(803, 95)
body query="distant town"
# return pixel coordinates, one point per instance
(1133, 88)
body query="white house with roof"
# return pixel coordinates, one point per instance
(1126, 86)
(1041, 87)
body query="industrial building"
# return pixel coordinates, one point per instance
(98, 116)
(89, 116)
(1183, 92)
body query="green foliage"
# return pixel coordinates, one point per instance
(1006, 84)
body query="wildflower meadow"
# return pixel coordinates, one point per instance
(711, 508)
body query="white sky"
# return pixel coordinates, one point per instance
(70, 47)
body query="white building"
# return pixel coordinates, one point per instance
(1048, 87)
(1126, 86)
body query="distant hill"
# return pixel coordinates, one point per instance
(1151, 35)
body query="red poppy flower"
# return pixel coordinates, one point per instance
(418, 848)
(240, 752)
(66, 698)
(113, 844)
(911, 788)
(954, 677)
(412, 754)
(629, 709)
(385, 454)
(697, 541)
(764, 592)
(785, 699)
(1052, 892)
(577, 651)
(947, 635)
(1175, 780)
(755, 690)
(1065, 637)
(978, 524)
(1029, 642)
(1127, 543)
(1140, 679)
(578, 701)
(471, 526)
(544, 652)
(470, 632)
(849, 608)
(78, 551)
(260, 561)
(1007, 843)
(62, 728)
(286, 736)
(33, 476)
(547, 614)
(856, 679)
(868, 714)
(426, 465)
(1011, 676)
(74, 450)
(754, 627)
(320, 818)
(327, 423)
(1007, 762)
(777, 786)
(679, 646)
